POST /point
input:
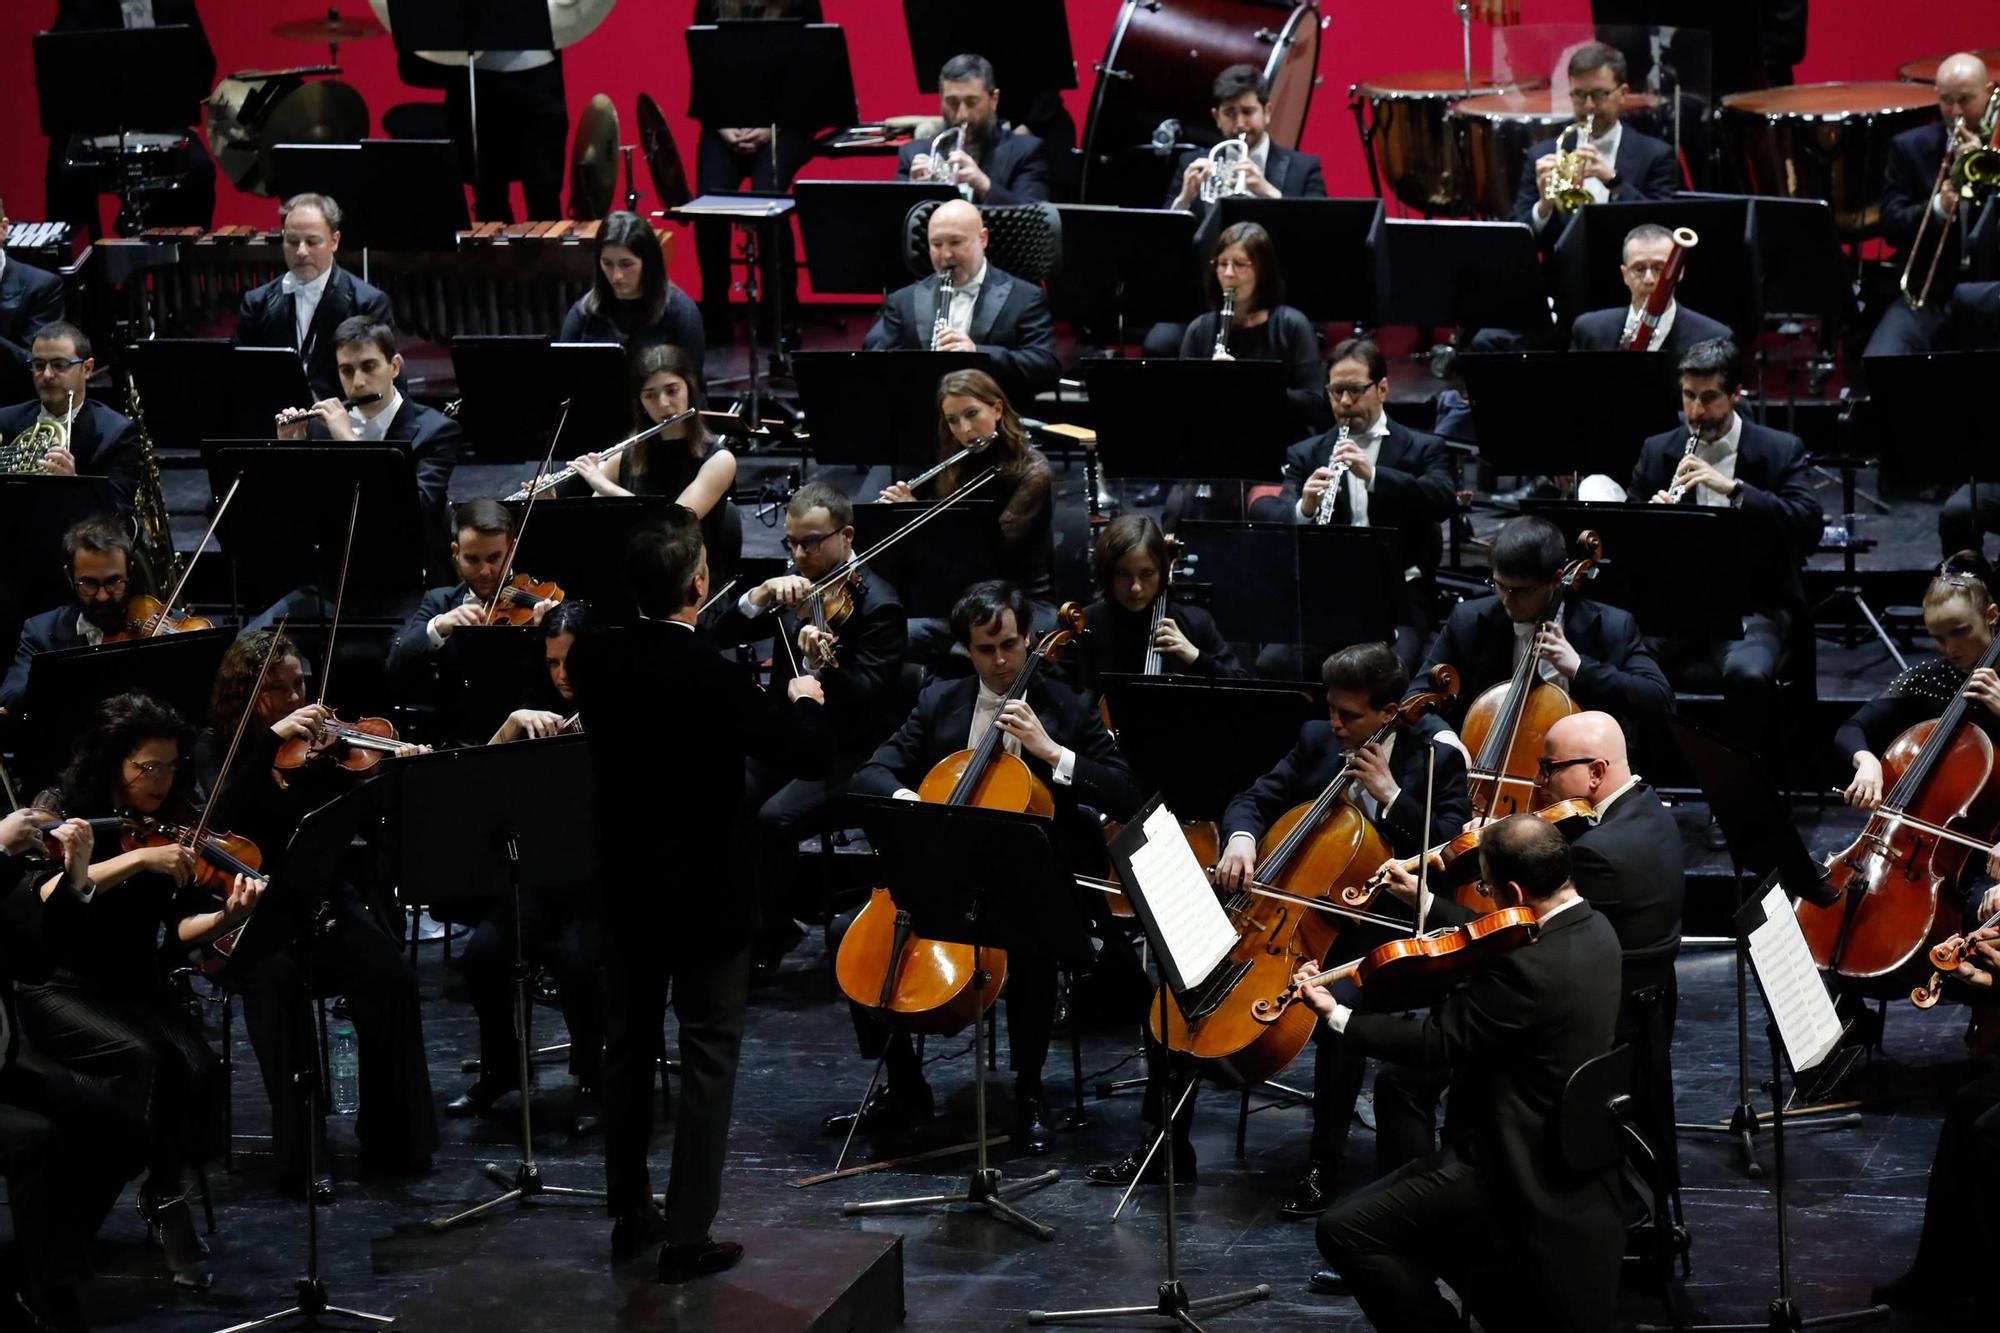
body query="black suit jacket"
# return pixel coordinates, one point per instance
(714, 719)
(1293, 174)
(1782, 513)
(1647, 169)
(1413, 489)
(1599, 331)
(1115, 643)
(679, 324)
(267, 319)
(414, 665)
(1018, 166)
(861, 690)
(1315, 760)
(29, 300)
(1010, 323)
(1972, 318)
(1616, 673)
(44, 633)
(1512, 1036)
(433, 441)
(105, 443)
(1906, 192)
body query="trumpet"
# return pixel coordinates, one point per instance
(1564, 189)
(543, 485)
(941, 322)
(1324, 514)
(1678, 489)
(942, 168)
(1975, 168)
(1228, 163)
(296, 414)
(25, 452)
(1222, 319)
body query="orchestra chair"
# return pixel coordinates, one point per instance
(1023, 239)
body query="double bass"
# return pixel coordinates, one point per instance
(924, 985)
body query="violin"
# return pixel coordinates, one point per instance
(219, 859)
(1455, 864)
(515, 601)
(355, 747)
(925, 985)
(1947, 956)
(147, 616)
(1411, 972)
(1507, 723)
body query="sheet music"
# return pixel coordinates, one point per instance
(1192, 925)
(1792, 986)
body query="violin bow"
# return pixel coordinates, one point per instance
(236, 741)
(717, 596)
(339, 596)
(1423, 859)
(937, 507)
(175, 596)
(521, 528)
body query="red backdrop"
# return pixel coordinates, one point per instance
(639, 49)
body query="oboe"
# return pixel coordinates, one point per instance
(1222, 322)
(1333, 484)
(1678, 489)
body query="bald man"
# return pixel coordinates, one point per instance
(991, 311)
(1963, 84)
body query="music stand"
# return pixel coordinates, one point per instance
(1229, 420)
(1014, 895)
(1303, 584)
(1236, 727)
(493, 25)
(1325, 255)
(853, 231)
(35, 512)
(499, 666)
(1632, 397)
(1126, 266)
(264, 381)
(864, 408)
(1918, 400)
(406, 193)
(177, 379)
(1650, 553)
(335, 169)
(1026, 41)
(932, 567)
(580, 544)
(112, 80)
(778, 72)
(65, 685)
(514, 387)
(1720, 277)
(1464, 275)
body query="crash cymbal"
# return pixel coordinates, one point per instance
(663, 158)
(331, 26)
(593, 162)
(570, 21)
(324, 112)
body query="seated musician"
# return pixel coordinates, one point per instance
(1261, 326)
(1511, 1037)
(557, 931)
(98, 555)
(632, 301)
(481, 553)
(1618, 162)
(1910, 203)
(997, 165)
(1591, 651)
(69, 434)
(1395, 478)
(1131, 562)
(991, 311)
(93, 996)
(1971, 324)
(1761, 472)
(1642, 260)
(302, 309)
(365, 358)
(861, 687)
(30, 300)
(684, 461)
(1364, 683)
(1239, 103)
(355, 956)
(1058, 735)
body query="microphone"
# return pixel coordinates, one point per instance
(1166, 137)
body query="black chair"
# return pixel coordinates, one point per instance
(1023, 239)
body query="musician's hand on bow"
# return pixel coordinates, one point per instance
(59, 462)
(1314, 492)
(951, 340)
(1558, 651)
(1356, 458)
(1237, 863)
(1694, 470)
(805, 687)
(1983, 687)
(786, 590)
(465, 613)
(1398, 882)
(1316, 998)
(1017, 719)
(1371, 770)
(897, 493)
(1172, 642)
(304, 724)
(1864, 792)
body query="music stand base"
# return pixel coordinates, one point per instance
(983, 1190)
(1174, 1305)
(523, 1182)
(1784, 1318)
(311, 1307)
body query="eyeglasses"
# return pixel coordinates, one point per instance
(803, 545)
(91, 587)
(1504, 591)
(1234, 265)
(1592, 94)
(45, 366)
(1338, 391)
(1546, 770)
(153, 768)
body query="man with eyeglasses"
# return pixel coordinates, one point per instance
(101, 442)
(1643, 259)
(860, 688)
(1618, 162)
(30, 300)
(98, 552)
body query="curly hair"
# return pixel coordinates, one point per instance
(237, 675)
(118, 726)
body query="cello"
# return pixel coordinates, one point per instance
(1506, 724)
(1311, 851)
(924, 985)
(1897, 882)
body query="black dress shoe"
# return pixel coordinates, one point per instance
(1126, 1169)
(1312, 1194)
(589, 1115)
(477, 1100)
(890, 1107)
(632, 1234)
(1031, 1126)
(17, 1316)
(684, 1263)
(1329, 1283)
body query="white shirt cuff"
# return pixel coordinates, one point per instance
(1066, 767)
(1337, 1020)
(749, 608)
(431, 633)
(905, 794)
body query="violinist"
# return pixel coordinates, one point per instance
(353, 955)
(1511, 1037)
(1261, 327)
(1063, 742)
(674, 918)
(1642, 260)
(861, 686)
(1131, 562)
(94, 995)
(1363, 685)
(97, 553)
(481, 553)
(558, 930)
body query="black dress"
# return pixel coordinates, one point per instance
(670, 469)
(625, 323)
(1287, 337)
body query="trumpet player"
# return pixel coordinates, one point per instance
(63, 432)
(991, 161)
(1614, 160)
(1239, 104)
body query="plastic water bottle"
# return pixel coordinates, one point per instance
(344, 1062)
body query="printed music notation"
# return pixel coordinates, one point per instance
(1792, 986)
(1191, 924)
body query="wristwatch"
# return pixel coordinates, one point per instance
(1736, 494)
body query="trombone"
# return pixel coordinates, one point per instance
(1973, 170)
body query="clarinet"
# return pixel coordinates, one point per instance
(1222, 322)
(1324, 515)
(1678, 489)
(942, 323)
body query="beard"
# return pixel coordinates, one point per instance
(107, 616)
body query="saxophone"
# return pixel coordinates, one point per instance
(152, 532)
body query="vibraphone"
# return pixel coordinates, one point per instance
(499, 279)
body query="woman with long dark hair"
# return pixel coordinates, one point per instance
(1261, 326)
(632, 301)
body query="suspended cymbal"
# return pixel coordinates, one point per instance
(570, 21)
(663, 157)
(325, 112)
(593, 163)
(329, 27)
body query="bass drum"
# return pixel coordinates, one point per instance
(1406, 136)
(1824, 141)
(1497, 131)
(1161, 61)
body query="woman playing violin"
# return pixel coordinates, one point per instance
(559, 631)
(98, 1001)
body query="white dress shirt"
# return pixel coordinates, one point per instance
(87, 630)
(373, 431)
(305, 301)
(137, 13)
(431, 625)
(963, 299)
(1370, 441)
(1658, 342)
(1722, 457)
(984, 710)
(1524, 635)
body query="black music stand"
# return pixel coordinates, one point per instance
(1325, 255)
(780, 72)
(493, 25)
(113, 80)
(1918, 400)
(1720, 278)
(1303, 584)
(932, 567)
(177, 379)
(865, 408)
(35, 512)
(406, 192)
(1124, 268)
(514, 387)
(1464, 275)
(1014, 895)
(580, 544)
(335, 169)
(1027, 42)
(264, 381)
(65, 685)
(1172, 420)
(1654, 553)
(1237, 729)
(499, 669)
(1513, 397)
(853, 231)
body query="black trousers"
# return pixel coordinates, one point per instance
(143, 1062)
(523, 136)
(354, 957)
(1960, 1226)
(1386, 1239)
(1744, 669)
(719, 168)
(65, 1169)
(710, 998)
(784, 807)
(558, 933)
